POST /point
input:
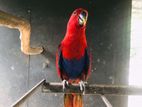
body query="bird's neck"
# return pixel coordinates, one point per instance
(74, 44)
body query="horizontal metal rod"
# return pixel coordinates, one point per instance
(93, 89)
(28, 94)
(75, 88)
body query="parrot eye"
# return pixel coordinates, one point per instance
(74, 12)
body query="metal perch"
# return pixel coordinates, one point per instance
(94, 89)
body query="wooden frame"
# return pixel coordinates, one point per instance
(24, 27)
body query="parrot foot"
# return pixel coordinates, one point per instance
(64, 83)
(82, 86)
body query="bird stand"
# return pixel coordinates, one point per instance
(94, 89)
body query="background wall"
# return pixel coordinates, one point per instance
(108, 35)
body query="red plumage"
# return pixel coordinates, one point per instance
(74, 43)
(72, 58)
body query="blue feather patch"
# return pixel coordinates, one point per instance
(73, 68)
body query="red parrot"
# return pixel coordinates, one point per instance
(72, 58)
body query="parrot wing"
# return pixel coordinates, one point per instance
(87, 67)
(58, 60)
(59, 65)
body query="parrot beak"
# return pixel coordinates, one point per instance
(83, 18)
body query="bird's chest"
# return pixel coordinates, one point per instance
(73, 67)
(74, 50)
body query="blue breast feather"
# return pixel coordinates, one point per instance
(73, 68)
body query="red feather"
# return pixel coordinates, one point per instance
(74, 43)
(72, 47)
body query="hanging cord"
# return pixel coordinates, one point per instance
(29, 16)
(28, 73)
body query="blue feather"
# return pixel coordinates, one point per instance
(74, 68)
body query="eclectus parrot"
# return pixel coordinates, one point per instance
(72, 58)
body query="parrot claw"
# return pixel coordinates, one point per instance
(82, 86)
(64, 83)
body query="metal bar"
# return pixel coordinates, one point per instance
(93, 89)
(105, 100)
(75, 88)
(28, 94)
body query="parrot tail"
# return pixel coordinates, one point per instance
(73, 100)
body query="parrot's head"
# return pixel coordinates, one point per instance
(78, 19)
(74, 42)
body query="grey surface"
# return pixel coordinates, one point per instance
(108, 33)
